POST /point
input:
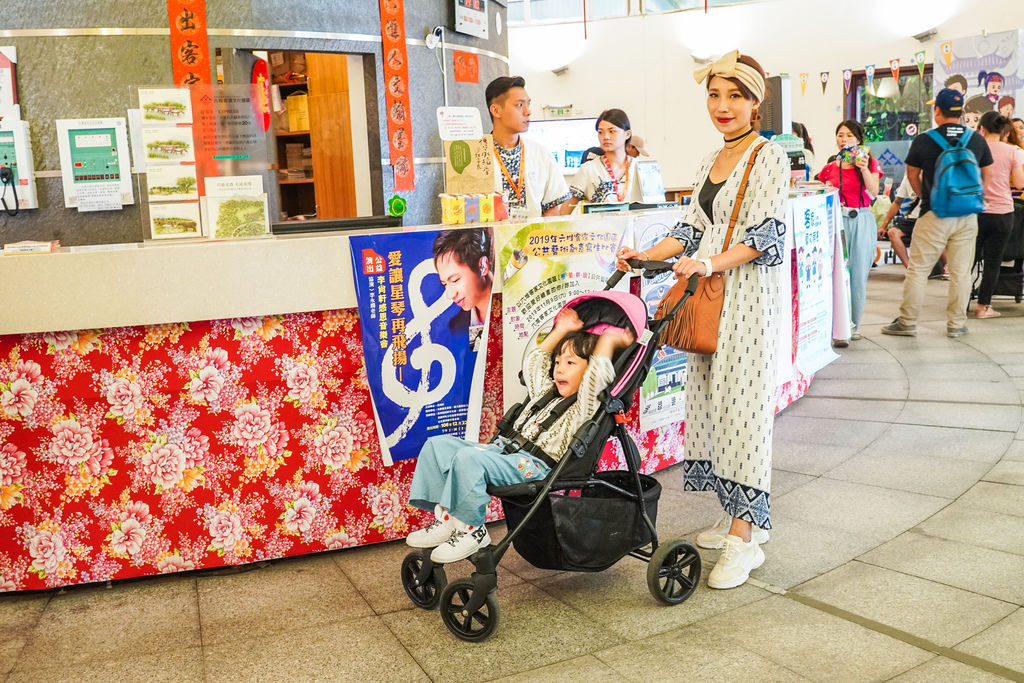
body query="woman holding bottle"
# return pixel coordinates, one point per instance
(856, 174)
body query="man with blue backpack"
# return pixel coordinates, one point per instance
(948, 168)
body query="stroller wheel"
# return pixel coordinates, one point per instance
(472, 626)
(674, 572)
(425, 594)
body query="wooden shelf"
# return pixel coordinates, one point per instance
(282, 134)
(295, 182)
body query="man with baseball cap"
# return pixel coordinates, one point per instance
(932, 234)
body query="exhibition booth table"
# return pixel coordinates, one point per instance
(167, 407)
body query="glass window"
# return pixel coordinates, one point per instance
(653, 6)
(886, 110)
(516, 10)
(893, 113)
(528, 11)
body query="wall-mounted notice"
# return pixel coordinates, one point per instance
(94, 162)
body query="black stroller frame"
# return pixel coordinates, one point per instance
(469, 608)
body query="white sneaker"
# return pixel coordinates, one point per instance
(439, 531)
(713, 538)
(462, 543)
(735, 563)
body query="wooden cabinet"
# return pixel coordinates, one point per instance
(326, 186)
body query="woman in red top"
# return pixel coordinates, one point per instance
(856, 173)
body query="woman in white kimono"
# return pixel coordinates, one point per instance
(730, 394)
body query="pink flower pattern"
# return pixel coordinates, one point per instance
(87, 498)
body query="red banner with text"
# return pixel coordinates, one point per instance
(396, 92)
(190, 48)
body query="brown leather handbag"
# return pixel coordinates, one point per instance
(694, 327)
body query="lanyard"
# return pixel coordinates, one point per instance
(625, 182)
(520, 187)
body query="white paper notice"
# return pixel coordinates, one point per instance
(234, 185)
(99, 196)
(459, 123)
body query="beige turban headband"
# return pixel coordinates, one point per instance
(729, 66)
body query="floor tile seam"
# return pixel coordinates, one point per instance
(30, 635)
(355, 587)
(199, 618)
(877, 399)
(913, 424)
(860, 558)
(906, 637)
(402, 645)
(894, 489)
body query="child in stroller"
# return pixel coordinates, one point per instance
(452, 474)
(566, 515)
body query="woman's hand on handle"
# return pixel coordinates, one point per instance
(686, 266)
(627, 254)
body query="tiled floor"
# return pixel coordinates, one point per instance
(898, 554)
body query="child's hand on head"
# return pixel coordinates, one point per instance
(622, 337)
(568, 320)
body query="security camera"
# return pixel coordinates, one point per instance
(925, 36)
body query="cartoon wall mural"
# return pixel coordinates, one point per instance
(988, 69)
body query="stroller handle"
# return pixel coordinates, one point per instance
(650, 268)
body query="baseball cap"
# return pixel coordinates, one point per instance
(949, 100)
(638, 142)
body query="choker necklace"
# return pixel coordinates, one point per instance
(737, 138)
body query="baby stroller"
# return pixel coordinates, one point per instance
(575, 519)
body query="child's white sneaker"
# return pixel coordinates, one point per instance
(439, 531)
(713, 538)
(462, 543)
(735, 563)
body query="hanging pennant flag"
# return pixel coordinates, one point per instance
(869, 71)
(919, 60)
(396, 92)
(894, 67)
(803, 83)
(824, 80)
(847, 79)
(947, 51)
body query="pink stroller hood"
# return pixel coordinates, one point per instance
(636, 312)
(634, 308)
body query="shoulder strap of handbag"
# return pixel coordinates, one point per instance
(742, 191)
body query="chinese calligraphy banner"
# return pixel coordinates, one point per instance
(190, 48)
(543, 265)
(424, 323)
(396, 92)
(663, 392)
(810, 218)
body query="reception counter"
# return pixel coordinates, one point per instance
(179, 406)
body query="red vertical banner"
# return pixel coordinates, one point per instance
(190, 47)
(396, 92)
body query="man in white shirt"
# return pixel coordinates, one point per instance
(525, 171)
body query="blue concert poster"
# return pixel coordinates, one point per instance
(424, 301)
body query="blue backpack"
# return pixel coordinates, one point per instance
(957, 189)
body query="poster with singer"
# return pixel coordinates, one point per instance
(424, 301)
(542, 266)
(811, 218)
(663, 392)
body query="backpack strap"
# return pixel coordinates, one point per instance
(964, 137)
(939, 140)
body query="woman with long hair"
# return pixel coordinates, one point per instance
(730, 404)
(996, 222)
(610, 177)
(855, 172)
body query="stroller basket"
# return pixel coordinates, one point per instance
(589, 532)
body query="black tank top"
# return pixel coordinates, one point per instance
(708, 192)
